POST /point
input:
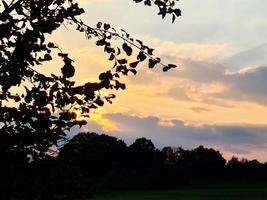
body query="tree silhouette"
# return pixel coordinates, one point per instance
(37, 109)
(101, 159)
(107, 163)
(201, 162)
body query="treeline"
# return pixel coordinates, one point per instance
(92, 163)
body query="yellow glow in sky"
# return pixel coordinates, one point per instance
(220, 80)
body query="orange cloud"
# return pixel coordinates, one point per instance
(195, 84)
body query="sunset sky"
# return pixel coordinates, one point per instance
(216, 97)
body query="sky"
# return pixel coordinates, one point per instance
(217, 96)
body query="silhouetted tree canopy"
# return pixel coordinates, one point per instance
(112, 165)
(92, 163)
(95, 152)
(36, 109)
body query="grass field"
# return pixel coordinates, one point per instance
(218, 194)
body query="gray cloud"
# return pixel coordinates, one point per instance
(238, 139)
(208, 21)
(239, 22)
(244, 84)
(247, 84)
(250, 85)
(202, 71)
(252, 57)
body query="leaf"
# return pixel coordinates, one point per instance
(177, 12)
(119, 51)
(47, 57)
(152, 63)
(147, 2)
(134, 64)
(119, 85)
(106, 26)
(128, 50)
(112, 56)
(99, 25)
(101, 42)
(141, 56)
(168, 67)
(150, 51)
(172, 65)
(122, 61)
(16, 98)
(121, 68)
(140, 42)
(116, 75)
(68, 71)
(5, 5)
(99, 101)
(133, 71)
(109, 49)
(105, 76)
(51, 45)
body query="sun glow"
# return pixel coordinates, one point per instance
(106, 124)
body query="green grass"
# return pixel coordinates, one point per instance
(213, 194)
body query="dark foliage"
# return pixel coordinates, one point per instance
(111, 165)
(36, 110)
(165, 7)
(92, 163)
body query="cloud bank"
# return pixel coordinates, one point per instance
(234, 139)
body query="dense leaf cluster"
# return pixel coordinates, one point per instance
(37, 109)
(165, 7)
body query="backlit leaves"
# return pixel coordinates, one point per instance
(165, 7)
(168, 67)
(48, 105)
(152, 62)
